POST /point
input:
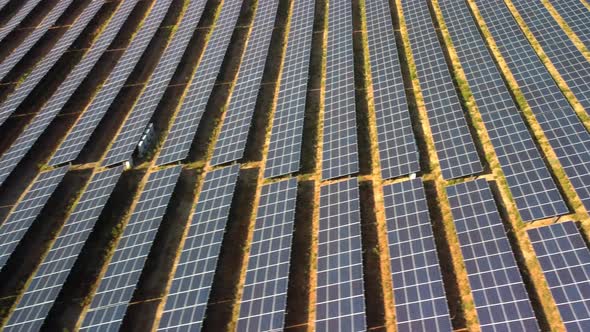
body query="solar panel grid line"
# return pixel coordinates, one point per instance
(420, 299)
(51, 109)
(17, 18)
(576, 16)
(47, 281)
(15, 99)
(499, 294)
(339, 141)
(231, 141)
(264, 297)
(189, 291)
(531, 185)
(27, 210)
(565, 132)
(48, 21)
(79, 135)
(284, 151)
(117, 285)
(569, 61)
(398, 151)
(453, 143)
(565, 261)
(340, 299)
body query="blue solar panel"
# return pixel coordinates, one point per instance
(284, 151)
(340, 297)
(454, 145)
(18, 18)
(47, 282)
(500, 297)
(116, 287)
(264, 299)
(565, 261)
(576, 16)
(418, 289)
(189, 292)
(398, 151)
(530, 182)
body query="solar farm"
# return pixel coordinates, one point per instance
(295, 165)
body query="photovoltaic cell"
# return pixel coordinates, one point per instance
(565, 132)
(51, 109)
(118, 284)
(189, 293)
(18, 18)
(453, 143)
(44, 65)
(264, 299)
(79, 135)
(27, 210)
(500, 297)
(576, 16)
(398, 151)
(284, 151)
(231, 142)
(528, 178)
(565, 261)
(36, 302)
(418, 289)
(559, 48)
(340, 297)
(339, 150)
(3, 3)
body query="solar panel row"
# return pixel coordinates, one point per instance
(80, 134)
(44, 65)
(559, 48)
(27, 210)
(339, 148)
(51, 109)
(418, 289)
(3, 3)
(231, 141)
(340, 297)
(565, 132)
(398, 151)
(565, 261)
(47, 282)
(145, 106)
(453, 143)
(18, 18)
(499, 294)
(264, 299)
(576, 16)
(284, 151)
(529, 180)
(122, 274)
(184, 128)
(187, 299)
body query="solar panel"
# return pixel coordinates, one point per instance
(339, 149)
(530, 182)
(189, 292)
(18, 18)
(41, 121)
(500, 297)
(398, 151)
(565, 132)
(453, 143)
(565, 261)
(79, 135)
(27, 210)
(264, 299)
(42, 291)
(340, 298)
(576, 16)
(284, 149)
(3, 3)
(231, 141)
(9, 62)
(418, 289)
(559, 48)
(44, 65)
(118, 283)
